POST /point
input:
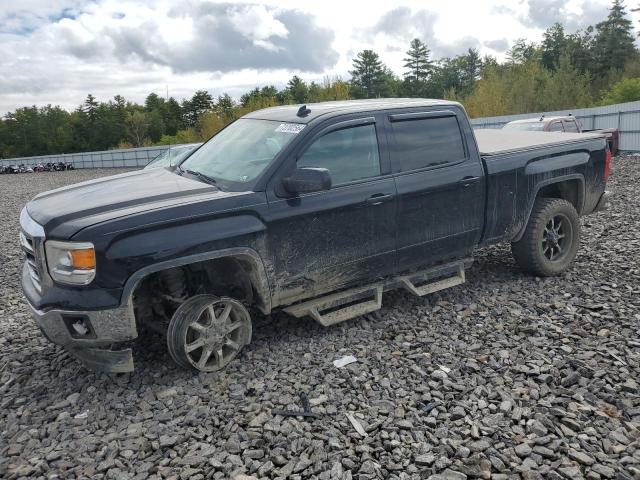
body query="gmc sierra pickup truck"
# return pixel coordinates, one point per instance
(316, 210)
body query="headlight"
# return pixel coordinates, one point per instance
(73, 263)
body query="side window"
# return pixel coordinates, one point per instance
(556, 127)
(349, 154)
(425, 142)
(570, 126)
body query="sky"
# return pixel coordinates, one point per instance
(57, 51)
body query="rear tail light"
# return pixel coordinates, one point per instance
(607, 163)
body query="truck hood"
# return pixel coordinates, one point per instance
(64, 211)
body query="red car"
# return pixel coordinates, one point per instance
(567, 123)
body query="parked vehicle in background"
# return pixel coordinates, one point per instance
(315, 210)
(48, 167)
(62, 166)
(172, 156)
(567, 123)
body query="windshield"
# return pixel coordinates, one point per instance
(241, 152)
(531, 126)
(172, 156)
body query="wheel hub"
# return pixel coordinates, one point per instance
(554, 241)
(213, 336)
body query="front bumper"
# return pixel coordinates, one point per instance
(89, 335)
(604, 202)
(92, 345)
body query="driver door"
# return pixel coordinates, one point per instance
(333, 239)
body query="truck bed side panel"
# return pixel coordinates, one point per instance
(514, 179)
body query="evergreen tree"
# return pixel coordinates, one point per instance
(368, 75)
(269, 91)
(90, 107)
(250, 97)
(193, 109)
(418, 65)
(224, 107)
(471, 64)
(154, 102)
(614, 41)
(174, 117)
(297, 89)
(554, 45)
(579, 48)
(522, 52)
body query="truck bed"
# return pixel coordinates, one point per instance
(517, 161)
(497, 142)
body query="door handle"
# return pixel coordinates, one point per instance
(468, 181)
(379, 198)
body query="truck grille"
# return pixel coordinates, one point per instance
(32, 243)
(26, 242)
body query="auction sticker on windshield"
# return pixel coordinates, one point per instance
(294, 128)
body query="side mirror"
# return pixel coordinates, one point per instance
(307, 180)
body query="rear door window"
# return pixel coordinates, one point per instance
(425, 142)
(556, 127)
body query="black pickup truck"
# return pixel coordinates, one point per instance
(316, 210)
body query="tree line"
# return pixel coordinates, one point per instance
(598, 65)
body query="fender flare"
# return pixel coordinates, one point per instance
(581, 196)
(261, 284)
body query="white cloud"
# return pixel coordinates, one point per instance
(57, 51)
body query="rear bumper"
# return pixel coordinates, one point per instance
(603, 203)
(89, 335)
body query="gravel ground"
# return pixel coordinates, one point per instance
(508, 376)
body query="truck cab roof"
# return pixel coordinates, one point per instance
(293, 114)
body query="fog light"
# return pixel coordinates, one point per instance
(80, 327)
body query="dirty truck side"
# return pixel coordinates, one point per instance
(317, 210)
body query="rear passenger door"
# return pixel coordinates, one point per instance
(440, 186)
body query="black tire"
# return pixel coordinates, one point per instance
(551, 240)
(181, 333)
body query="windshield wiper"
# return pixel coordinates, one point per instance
(205, 178)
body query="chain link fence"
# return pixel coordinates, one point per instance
(130, 157)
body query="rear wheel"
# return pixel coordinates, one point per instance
(206, 332)
(550, 242)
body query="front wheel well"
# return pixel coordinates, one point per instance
(158, 295)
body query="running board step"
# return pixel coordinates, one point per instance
(409, 282)
(341, 306)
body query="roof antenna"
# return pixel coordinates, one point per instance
(303, 111)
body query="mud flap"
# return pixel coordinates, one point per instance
(101, 360)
